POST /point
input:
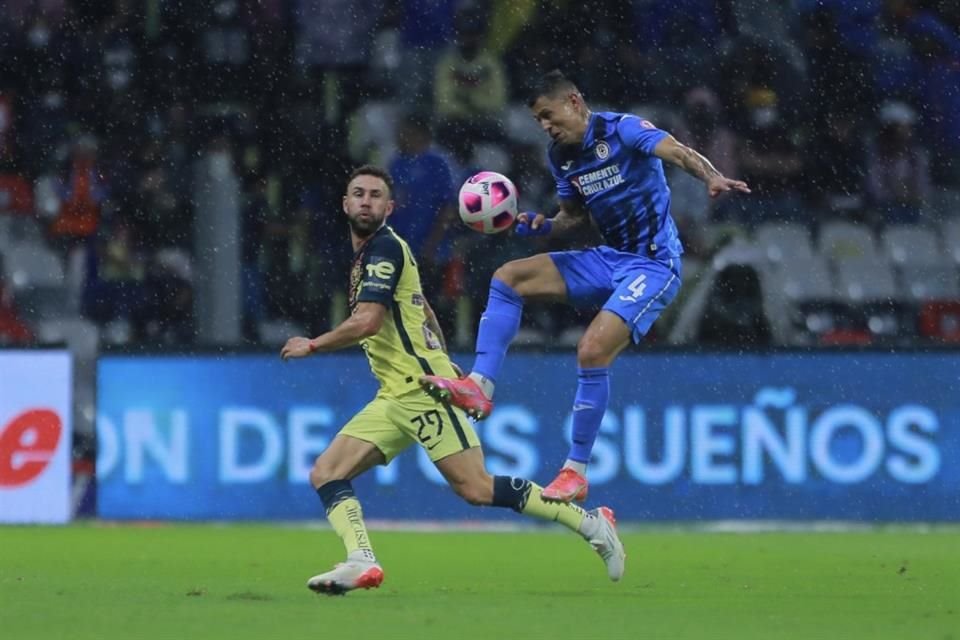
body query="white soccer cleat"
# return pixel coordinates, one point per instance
(606, 542)
(347, 576)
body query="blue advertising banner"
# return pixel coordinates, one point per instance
(794, 436)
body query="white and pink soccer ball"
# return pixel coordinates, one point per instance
(488, 202)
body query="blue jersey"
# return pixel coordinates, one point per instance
(621, 183)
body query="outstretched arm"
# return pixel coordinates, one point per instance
(698, 166)
(364, 322)
(572, 216)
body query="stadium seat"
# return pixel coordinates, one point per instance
(806, 279)
(117, 332)
(32, 265)
(890, 320)
(847, 242)
(940, 321)
(35, 303)
(81, 336)
(828, 322)
(865, 280)
(929, 282)
(25, 229)
(912, 244)
(950, 232)
(6, 224)
(782, 242)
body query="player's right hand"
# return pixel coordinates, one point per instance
(530, 223)
(296, 348)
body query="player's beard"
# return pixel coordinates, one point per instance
(365, 228)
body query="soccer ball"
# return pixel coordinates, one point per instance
(488, 202)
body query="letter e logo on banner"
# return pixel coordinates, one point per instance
(27, 444)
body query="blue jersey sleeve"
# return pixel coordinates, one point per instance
(640, 134)
(564, 188)
(382, 265)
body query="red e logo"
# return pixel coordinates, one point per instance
(26, 446)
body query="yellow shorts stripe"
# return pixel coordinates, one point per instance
(457, 426)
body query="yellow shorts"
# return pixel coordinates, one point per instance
(392, 424)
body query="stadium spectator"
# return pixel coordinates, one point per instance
(424, 194)
(701, 127)
(835, 167)
(840, 79)
(115, 287)
(898, 175)
(82, 192)
(426, 26)
(771, 162)
(168, 299)
(156, 211)
(691, 30)
(469, 88)
(424, 189)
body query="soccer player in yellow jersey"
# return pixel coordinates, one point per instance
(393, 323)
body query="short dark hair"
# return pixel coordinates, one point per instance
(375, 171)
(550, 84)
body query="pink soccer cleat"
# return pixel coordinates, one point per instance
(461, 392)
(566, 487)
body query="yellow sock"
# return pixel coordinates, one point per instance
(569, 515)
(346, 518)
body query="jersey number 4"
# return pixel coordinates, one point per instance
(637, 287)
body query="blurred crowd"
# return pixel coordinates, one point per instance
(827, 108)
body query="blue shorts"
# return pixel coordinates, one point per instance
(632, 286)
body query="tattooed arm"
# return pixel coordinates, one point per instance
(572, 215)
(698, 166)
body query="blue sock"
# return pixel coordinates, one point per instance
(593, 392)
(498, 326)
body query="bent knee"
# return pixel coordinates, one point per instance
(591, 352)
(323, 471)
(510, 274)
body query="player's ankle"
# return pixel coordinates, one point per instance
(362, 555)
(589, 527)
(579, 467)
(486, 384)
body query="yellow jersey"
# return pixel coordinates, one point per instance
(384, 271)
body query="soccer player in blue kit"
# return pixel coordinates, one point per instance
(608, 166)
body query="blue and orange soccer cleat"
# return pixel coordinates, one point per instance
(461, 392)
(347, 576)
(566, 487)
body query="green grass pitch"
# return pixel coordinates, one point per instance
(247, 581)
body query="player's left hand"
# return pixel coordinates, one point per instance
(530, 223)
(719, 184)
(296, 348)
